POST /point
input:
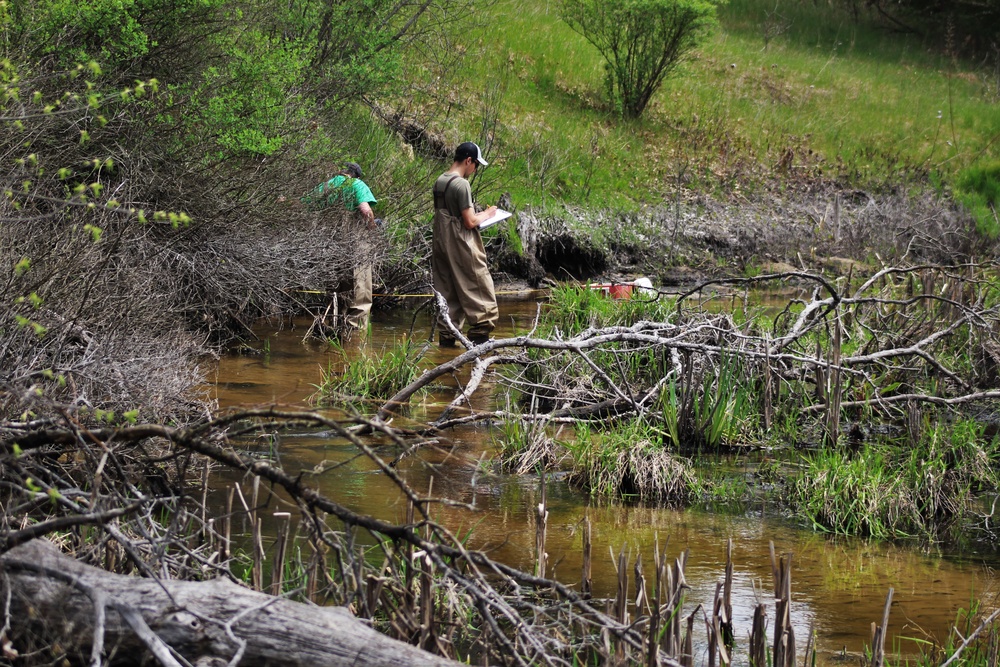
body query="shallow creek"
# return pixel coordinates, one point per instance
(838, 584)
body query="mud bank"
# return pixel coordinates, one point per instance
(694, 237)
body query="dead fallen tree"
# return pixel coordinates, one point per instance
(427, 590)
(57, 599)
(415, 581)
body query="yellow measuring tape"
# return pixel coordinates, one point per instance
(425, 296)
(513, 291)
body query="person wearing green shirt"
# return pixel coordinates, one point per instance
(348, 190)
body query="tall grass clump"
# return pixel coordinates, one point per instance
(524, 447)
(573, 308)
(715, 410)
(629, 461)
(887, 492)
(374, 375)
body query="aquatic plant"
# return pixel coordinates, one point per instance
(524, 447)
(888, 492)
(628, 460)
(372, 375)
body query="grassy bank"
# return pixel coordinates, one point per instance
(783, 93)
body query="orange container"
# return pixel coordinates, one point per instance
(614, 290)
(618, 291)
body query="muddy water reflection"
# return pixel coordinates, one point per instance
(839, 585)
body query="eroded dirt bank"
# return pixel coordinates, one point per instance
(819, 228)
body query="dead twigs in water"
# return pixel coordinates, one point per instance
(416, 581)
(900, 337)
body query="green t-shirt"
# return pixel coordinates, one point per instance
(351, 191)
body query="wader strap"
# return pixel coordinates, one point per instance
(439, 196)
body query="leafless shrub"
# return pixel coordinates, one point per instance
(110, 305)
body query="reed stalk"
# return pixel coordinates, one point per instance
(879, 633)
(758, 637)
(783, 651)
(257, 572)
(541, 522)
(835, 391)
(280, 551)
(225, 548)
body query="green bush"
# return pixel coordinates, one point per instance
(118, 33)
(642, 41)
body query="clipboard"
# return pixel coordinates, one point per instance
(500, 216)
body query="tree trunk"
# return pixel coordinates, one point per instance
(58, 605)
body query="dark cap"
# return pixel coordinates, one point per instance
(469, 149)
(354, 169)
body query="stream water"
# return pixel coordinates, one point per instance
(838, 584)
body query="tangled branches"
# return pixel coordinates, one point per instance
(924, 335)
(109, 304)
(134, 516)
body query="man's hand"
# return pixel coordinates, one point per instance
(368, 214)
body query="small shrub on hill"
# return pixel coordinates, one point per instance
(642, 41)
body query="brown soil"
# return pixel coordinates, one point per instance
(819, 228)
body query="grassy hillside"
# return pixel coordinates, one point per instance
(785, 92)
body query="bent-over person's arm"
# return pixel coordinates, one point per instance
(367, 213)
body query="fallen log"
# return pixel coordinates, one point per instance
(55, 600)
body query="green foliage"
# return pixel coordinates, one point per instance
(844, 98)
(117, 32)
(716, 411)
(724, 409)
(573, 308)
(978, 189)
(641, 41)
(246, 103)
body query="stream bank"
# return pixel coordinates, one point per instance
(807, 227)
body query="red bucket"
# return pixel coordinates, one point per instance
(614, 290)
(618, 291)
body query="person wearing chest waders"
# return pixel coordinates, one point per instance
(458, 259)
(348, 190)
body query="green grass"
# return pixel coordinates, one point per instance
(374, 375)
(846, 101)
(979, 652)
(979, 190)
(572, 308)
(628, 461)
(889, 492)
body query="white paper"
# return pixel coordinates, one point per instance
(500, 215)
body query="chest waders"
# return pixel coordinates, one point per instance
(460, 274)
